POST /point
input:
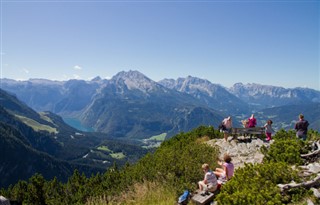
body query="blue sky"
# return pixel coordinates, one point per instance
(225, 42)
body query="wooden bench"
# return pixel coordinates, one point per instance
(202, 199)
(238, 131)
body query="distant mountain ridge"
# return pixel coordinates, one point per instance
(132, 105)
(215, 96)
(264, 96)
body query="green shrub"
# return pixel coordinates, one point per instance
(256, 184)
(178, 161)
(284, 150)
(283, 135)
(313, 135)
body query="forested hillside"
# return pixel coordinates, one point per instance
(43, 143)
(160, 177)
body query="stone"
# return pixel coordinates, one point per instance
(242, 151)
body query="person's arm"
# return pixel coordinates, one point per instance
(226, 171)
(205, 181)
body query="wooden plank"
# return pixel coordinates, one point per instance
(246, 130)
(202, 199)
(236, 131)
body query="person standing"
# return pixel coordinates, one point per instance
(268, 130)
(252, 122)
(301, 127)
(227, 123)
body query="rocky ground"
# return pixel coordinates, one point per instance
(242, 150)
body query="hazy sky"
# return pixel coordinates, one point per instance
(225, 42)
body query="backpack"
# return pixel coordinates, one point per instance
(184, 198)
(222, 126)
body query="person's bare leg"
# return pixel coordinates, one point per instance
(219, 170)
(226, 137)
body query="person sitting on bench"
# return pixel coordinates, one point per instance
(228, 169)
(209, 183)
(252, 122)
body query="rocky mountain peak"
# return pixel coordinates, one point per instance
(96, 79)
(135, 80)
(191, 85)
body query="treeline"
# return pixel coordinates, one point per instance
(175, 166)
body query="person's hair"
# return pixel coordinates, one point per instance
(205, 166)
(301, 116)
(227, 158)
(270, 121)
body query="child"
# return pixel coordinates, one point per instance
(210, 180)
(228, 168)
(268, 130)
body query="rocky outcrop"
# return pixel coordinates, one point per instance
(241, 150)
(4, 201)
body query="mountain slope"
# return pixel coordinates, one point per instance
(19, 160)
(60, 97)
(26, 133)
(286, 116)
(213, 95)
(46, 132)
(17, 156)
(132, 105)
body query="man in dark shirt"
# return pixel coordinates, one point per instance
(302, 127)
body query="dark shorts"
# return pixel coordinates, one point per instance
(227, 130)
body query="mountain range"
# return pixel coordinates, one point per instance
(131, 105)
(129, 113)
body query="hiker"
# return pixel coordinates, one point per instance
(268, 130)
(227, 125)
(252, 122)
(227, 171)
(301, 127)
(209, 182)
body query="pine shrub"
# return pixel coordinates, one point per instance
(284, 150)
(256, 184)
